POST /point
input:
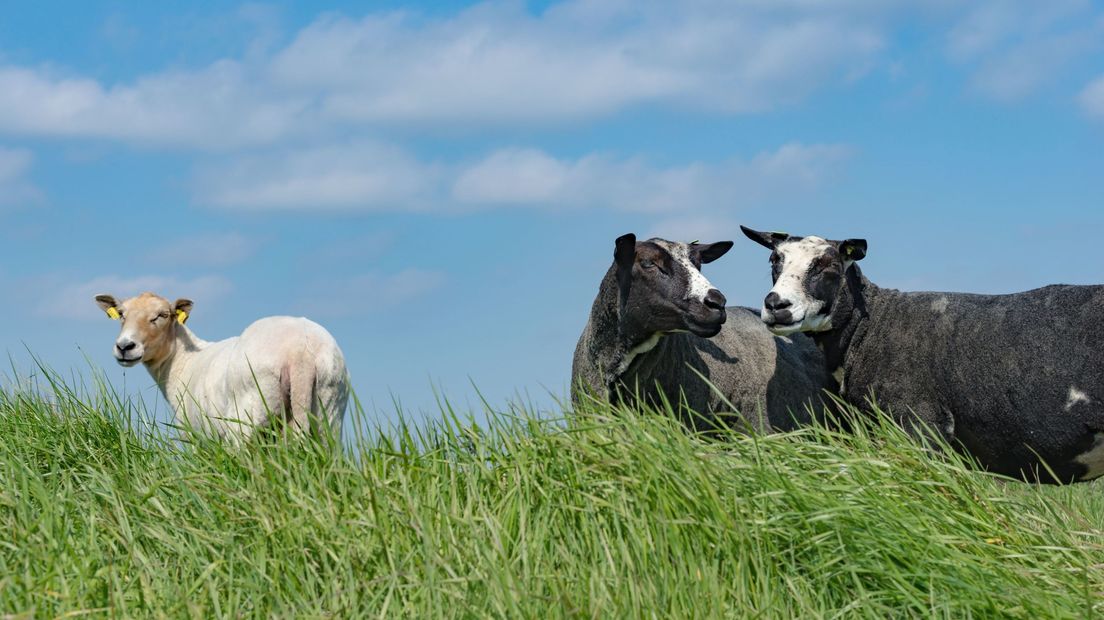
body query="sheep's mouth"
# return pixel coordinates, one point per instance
(784, 329)
(706, 327)
(810, 324)
(127, 361)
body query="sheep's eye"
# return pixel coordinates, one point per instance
(647, 263)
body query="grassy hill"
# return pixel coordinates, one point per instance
(601, 514)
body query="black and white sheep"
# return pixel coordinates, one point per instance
(658, 326)
(1014, 380)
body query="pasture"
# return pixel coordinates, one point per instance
(601, 513)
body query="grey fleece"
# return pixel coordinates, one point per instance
(1009, 377)
(768, 379)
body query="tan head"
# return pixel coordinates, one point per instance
(149, 323)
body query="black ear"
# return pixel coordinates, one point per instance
(624, 255)
(852, 249)
(768, 240)
(709, 252)
(624, 252)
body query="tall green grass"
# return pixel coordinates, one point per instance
(604, 513)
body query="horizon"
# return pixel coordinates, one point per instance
(440, 184)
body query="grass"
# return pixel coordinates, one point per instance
(605, 513)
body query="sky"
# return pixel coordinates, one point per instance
(440, 184)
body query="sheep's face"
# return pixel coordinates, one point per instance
(807, 273)
(662, 289)
(148, 326)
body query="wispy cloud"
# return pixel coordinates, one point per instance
(530, 177)
(706, 228)
(492, 64)
(374, 178)
(368, 293)
(499, 64)
(15, 187)
(205, 250)
(361, 176)
(54, 297)
(1092, 98)
(217, 107)
(357, 248)
(1015, 47)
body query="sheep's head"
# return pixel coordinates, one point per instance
(662, 289)
(808, 273)
(148, 326)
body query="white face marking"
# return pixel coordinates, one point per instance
(797, 259)
(940, 305)
(1093, 460)
(1076, 397)
(698, 286)
(130, 334)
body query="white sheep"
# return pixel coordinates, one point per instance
(279, 370)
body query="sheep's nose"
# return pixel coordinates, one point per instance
(126, 345)
(774, 302)
(715, 300)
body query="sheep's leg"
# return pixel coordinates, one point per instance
(331, 395)
(301, 400)
(286, 405)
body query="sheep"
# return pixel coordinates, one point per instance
(280, 370)
(1016, 381)
(658, 326)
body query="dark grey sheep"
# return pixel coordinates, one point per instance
(657, 327)
(1014, 380)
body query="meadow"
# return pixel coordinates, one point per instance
(604, 512)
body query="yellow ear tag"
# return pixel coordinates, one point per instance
(113, 314)
(850, 250)
(181, 316)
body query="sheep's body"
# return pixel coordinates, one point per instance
(769, 380)
(1012, 378)
(279, 370)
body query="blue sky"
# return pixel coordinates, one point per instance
(440, 184)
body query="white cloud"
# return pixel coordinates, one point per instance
(67, 300)
(1092, 98)
(219, 106)
(353, 176)
(496, 63)
(375, 178)
(526, 177)
(1015, 47)
(205, 250)
(367, 293)
(491, 64)
(530, 177)
(705, 228)
(15, 188)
